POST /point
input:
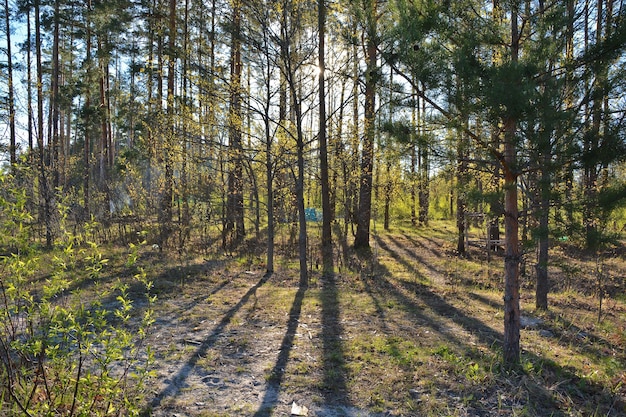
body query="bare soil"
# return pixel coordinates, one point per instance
(412, 330)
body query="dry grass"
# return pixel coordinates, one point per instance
(414, 332)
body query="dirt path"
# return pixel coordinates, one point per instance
(391, 339)
(221, 351)
(227, 354)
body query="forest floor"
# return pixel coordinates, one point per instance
(413, 331)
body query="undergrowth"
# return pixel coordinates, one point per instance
(71, 342)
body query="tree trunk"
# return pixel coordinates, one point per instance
(461, 185)
(234, 230)
(511, 226)
(413, 151)
(54, 100)
(290, 75)
(415, 118)
(29, 88)
(11, 98)
(388, 189)
(541, 291)
(593, 140)
(103, 147)
(45, 215)
(364, 214)
(424, 181)
(87, 113)
(269, 179)
(423, 163)
(352, 171)
(165, 213)
(185, 230)
(327, 244)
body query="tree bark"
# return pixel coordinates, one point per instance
(327, 244)
(511, 226)
(165, 213)
(424, 183)
(234, 230)
(364, 214)
(541, 291)
(44, 187)
(461, 185)
(54, 99)
(11, 97)
(87, 113)
(290, 75)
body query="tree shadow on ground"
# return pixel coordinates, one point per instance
(335, 372)
(417, 243)
(174, 386)
(270, 398)
(412, 254)
(567, 334)
(541, 389)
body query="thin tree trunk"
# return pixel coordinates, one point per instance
(234, 230)
(511, 225)
(44, 189)
(415, 111)
(424, 181)
(592, 142)
(29, 87)
(387, 190)
(541, 291)
(361, 239)
(424, 167)
(54, 99)
(544, 188)
(184, 181)
(302, 236)
(352, 200)
(300, 144)
(269, 164)
(166, 212)
(103, 146)
(327, 244)
(87, 113)
(461, 186)
(11, 98)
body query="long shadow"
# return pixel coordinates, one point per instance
(588, 342)
(335, 372)
(409, 266)
(582, 388)
(184, 308)
(137, 291)
(436, 303)
(174, 386)
(426, 263)
(421, 244)
(135, 288)
(381, 285)
(270, 398)
(374, 295)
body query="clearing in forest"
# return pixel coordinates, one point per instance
(411, 331)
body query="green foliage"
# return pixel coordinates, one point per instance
(66, 349)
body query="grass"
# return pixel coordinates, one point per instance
(416, 332)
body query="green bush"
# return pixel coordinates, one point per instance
(70, 344)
